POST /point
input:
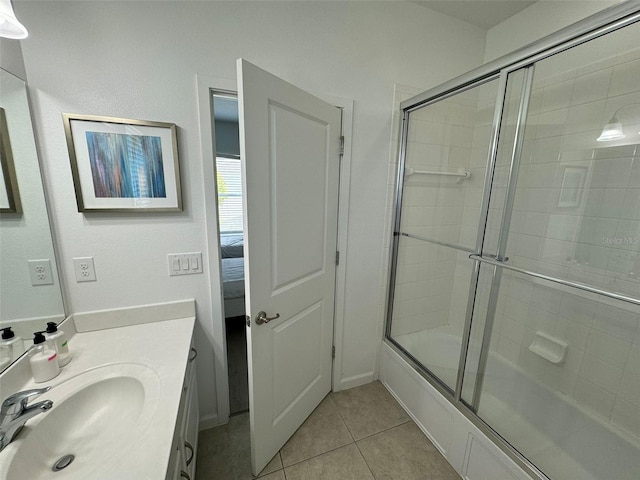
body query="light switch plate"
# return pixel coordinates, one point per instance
(40, 272)
(184, 263)
(85, 269)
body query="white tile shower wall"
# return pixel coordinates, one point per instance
(473, 193)
(601, 369)
(440, 208)
(596, 241)
(440, 138)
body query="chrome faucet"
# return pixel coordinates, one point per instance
(15, 412)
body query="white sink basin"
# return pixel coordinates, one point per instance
(97, 416)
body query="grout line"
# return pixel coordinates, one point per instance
(409, 419)
(365, 460)
(320, 454)
(284, 473)
(342, 419)
(384, 430)
(353, 440)
(330, 450)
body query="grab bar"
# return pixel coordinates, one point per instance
(568, 283)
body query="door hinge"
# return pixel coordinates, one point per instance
(333, 351)
(337, 258)
(341, 144)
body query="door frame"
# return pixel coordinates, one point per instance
(206, 84)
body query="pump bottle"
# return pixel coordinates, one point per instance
(11, 346)
(58, 339)
(44, 360)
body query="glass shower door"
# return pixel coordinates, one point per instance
(558, 372)
(447, 145)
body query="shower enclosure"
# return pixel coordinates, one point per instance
(515, 270)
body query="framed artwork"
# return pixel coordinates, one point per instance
(120, 164)
(9, 194)
(572, 188)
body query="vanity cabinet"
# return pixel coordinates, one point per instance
(182, 464)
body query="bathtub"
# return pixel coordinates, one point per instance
(551, 430)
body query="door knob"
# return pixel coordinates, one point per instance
(262, 318)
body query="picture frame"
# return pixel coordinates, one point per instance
(123, 165)
(9, 192)
(573, 180)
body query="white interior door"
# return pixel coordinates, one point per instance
(289, 144)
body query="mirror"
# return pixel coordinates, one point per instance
(30, 294)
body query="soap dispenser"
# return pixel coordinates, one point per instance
(58, 339)
(44, 361)
(11, 345)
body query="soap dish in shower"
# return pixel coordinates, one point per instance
(550, 348)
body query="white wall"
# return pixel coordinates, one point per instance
(122, 59)
(11, 57)
(540, 19)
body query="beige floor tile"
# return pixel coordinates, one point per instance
(404, 453)
(279, 475)
(323, 431)
(369, 409)
(345, 463)
(224, 452)
(274, 465)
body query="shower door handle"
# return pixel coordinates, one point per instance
(262, 318)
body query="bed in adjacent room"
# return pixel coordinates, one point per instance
(232, 249)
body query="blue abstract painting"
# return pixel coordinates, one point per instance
(126, 166)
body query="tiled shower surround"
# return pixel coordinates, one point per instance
(576, 216)
(587, 232)
(447, 137)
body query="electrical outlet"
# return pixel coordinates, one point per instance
(40, 272)
(85, 269)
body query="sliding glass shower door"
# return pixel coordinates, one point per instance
(447, 146)
(515, 282)
(559, 373)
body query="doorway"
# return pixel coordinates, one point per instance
(231, 237)
(294, 176)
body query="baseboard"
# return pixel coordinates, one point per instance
(356, 381)
(208, 421)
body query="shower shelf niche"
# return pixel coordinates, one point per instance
(549, 348)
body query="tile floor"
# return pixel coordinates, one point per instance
(355, 434)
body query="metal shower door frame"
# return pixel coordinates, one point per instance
(595, 26)
(402, 151)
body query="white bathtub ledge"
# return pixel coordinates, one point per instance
(465, 447)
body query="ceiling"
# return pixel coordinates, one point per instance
(482, 13)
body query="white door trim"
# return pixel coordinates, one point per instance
(220, 379)
(206, 83)
(343, 227)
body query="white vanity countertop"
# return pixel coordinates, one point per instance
(162, 346)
